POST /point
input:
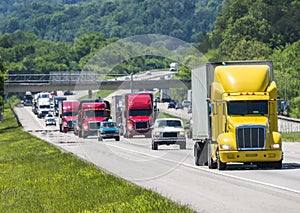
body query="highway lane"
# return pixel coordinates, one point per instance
(171, 172)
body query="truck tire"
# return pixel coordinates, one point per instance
(211, 163)
(117, 138)
(220, 164)
(154, 146)
(182, 145)
(197, 152)
(60, 127)
(83, 134)
(278, 164)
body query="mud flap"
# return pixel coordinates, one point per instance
(201, 153)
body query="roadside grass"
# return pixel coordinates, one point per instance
(38, 177)
(290, 136)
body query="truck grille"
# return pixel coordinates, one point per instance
(250, 137)
(71, 124)
(170, 134)
(141, 125)
(94, 125)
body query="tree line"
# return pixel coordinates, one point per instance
(243, 30)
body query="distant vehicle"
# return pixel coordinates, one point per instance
(67, 113)
(148, 72)
(186, 103)
(53, 93)
(43, 105)
(174, 67)
(108, 129)
(50, 121)
(157, 99)
(68, 92)
(178, 106)
(91, 113)
(167, 131)
(49, 116)
(165, 95)
(171, 104)
(190, 128)
(56, 102)
(190, 108)
(27, 100)
(138, 114)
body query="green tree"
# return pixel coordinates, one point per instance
(2, 75)
(287, 75)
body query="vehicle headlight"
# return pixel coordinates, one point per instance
(181, 134)
(275, 146)
(156, 134)
(226, 147)
(117, 131)
(85, 126)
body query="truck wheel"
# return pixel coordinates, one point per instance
(117, 138)
(278, 164)
(154, 146)
(211, 163)
(197, 152)
(182, 145)
(83, 134)
(60, 127)
(220, 164)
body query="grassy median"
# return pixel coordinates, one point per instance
(38, 177)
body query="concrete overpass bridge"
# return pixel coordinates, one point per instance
(90, 81)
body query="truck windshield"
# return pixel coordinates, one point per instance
(94, 113)
(140, 112)
(169, 123)
(247, 107)
(70, 113)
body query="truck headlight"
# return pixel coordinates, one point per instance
(226, 147)
(275, 146)
(181, 134)
(156, 134)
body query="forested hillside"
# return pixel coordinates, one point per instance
(261, 29)
(63, 20)
(64, 34)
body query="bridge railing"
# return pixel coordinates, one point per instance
(58, 78)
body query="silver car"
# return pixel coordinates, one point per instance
(167, 131)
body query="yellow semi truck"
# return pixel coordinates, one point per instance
(234, 112)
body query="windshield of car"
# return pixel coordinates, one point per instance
(169, 123)
(140, 112)
(109, 124)
(247, 107)
(94, 113)
(70, 113)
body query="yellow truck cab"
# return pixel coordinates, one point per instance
(238, 120)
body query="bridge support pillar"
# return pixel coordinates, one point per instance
(90, 93)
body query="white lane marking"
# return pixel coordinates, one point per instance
(210, 171)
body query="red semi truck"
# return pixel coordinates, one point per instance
(138, 114)
(90, 114)
(67, 112)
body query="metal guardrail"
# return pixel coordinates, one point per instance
(57, 77)
(296, 120)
